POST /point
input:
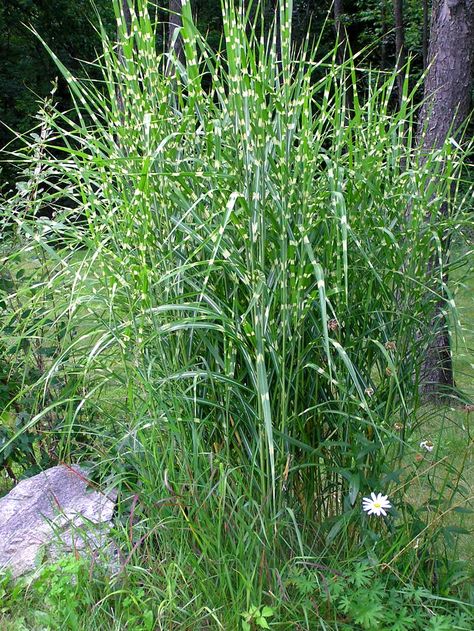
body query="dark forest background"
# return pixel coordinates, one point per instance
(69, 28)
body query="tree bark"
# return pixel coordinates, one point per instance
(399, 46)
(383, 37)
(278, 34)
(340, 30)
(425, 33)
(446, 106)
(175, 22)
(126, 16)
(342, 45)
(449, 79)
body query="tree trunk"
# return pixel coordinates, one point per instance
(126, 16)
(446, 106)
(383, 37)
(175, 22)
(340, 30)
(449, 79)
(425, 34)
(278, 35)
(342, 45)
(399, 45)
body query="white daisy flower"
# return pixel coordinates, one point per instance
(427, 444)
(376, 504)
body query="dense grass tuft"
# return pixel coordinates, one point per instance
(225, 294)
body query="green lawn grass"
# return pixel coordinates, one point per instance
(451, 429)
(464, 344)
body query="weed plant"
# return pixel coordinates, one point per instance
(225, 273)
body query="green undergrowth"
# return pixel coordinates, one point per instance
(70, 596)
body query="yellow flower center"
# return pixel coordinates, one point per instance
(377, 505)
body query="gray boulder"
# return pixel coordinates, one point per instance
(51, 514)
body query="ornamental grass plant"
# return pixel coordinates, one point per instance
(221, 288)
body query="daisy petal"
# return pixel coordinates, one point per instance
(376, 504)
